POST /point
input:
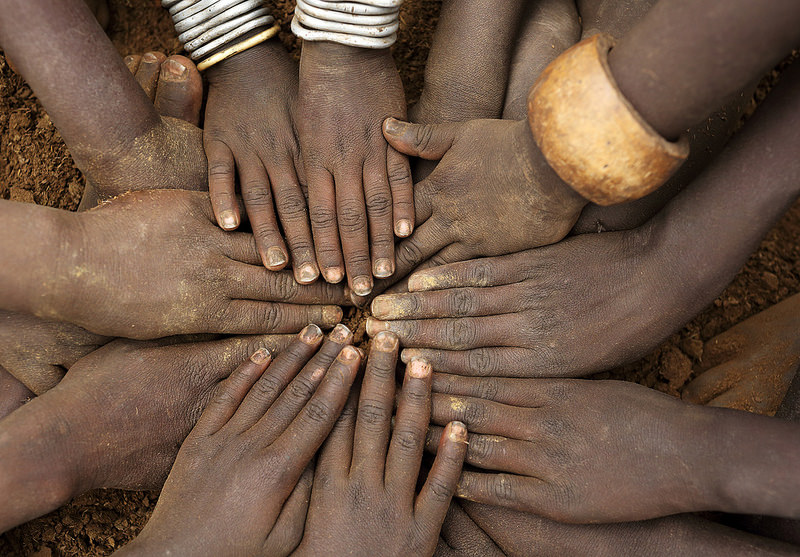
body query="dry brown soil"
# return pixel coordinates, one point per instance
(36, 167)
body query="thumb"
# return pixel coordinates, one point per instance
(427, 141)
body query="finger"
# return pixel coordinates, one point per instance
(506, 490)
(351, 213)
(287, 533)
(427, 241)
(293, 212)
(463, 536)
(314, 422)
(250, 282)
(491, 452)
(13, 393)
(283, 370)
(402, 189)
(427, 141)
(37, 378)
(482, 416)
(230, 393)
(336, 455)
(378, 199)
(712, 383)
(148, 71)
(303, 386)
(449, 254)
(254, 317)
(454, 334)
(434, 498)
(375, 406)
(257, 196)
(180, 90)
(490, 271)
(515, 392)
(483, 362)
(324, 226)
(411, 422)
(454, 302)
(132, 62)
(222, 183)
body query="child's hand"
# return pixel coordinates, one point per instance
(363, 501)
(359, 188)
(238, 484)
(249, 127)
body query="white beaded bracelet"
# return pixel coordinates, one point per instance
(365, 24)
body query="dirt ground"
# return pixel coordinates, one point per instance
(36, 167)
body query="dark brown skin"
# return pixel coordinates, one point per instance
(750, 366)
(363, 501)
(111, 131)
(577, 305)
(558, 447)
(117, 419)
(238, 485)
(13, 393)
(151, 264)
(39, 352)
(359, 188)
(249, 126)
(461, 537)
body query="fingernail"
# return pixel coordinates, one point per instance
(408, 355)
(393, 126)
(149, 57)
(383, 268)
(311, 334)
(348, 354)
(129, 60)
(340, 334)
(228, 220)
(419, 369)
(374, 326)
(385, 341)
(403, 228)
(308, 273)
(361, 353)
(381, 307)
(333, 275)
(332, 314)
(457, 432)
(275, 257)
(173, 68)
(261, 356)
(362, 286)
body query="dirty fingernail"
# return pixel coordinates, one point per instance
(381, 307)
(333, 275)
(383, 268)
(332, 314)
(374, 326)
(361, 353)
(340, 334)
(348, 354)
(392, 126)
(419, 369)
(362, 286)
(275, 257)
(403, 228)
(311, 334)
(261, 356)
(457, 432)
(409, 354)
(149, 57)
(386, 341)
(308, 273)
(173, 68)
(228, 221)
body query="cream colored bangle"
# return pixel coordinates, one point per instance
(239, 47)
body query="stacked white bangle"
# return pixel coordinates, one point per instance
(361, 23)
(204, 26)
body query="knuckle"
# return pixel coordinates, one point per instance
(480, 448)
(219, 169)
(301, 388)
(461, 333)
(292, 205)
(423, 137)
(281, 286)
(351, 217)
(322, 217)
(265, 388)
(461, 303)
(408, 440)
(269, 317)
(409, 253)
(440, 490)
(474, 413)
(318, 412)
(256, 193)
(488, 389)
(372, 414)
(503, 488)
(399, 174)
(480, 273)
(379, 204)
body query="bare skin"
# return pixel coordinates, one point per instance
(359, 188)
(577, 305)
(750, 366)
(110, 275)
(555, 448)
(241, 482)
(117, 419)
(363, 501)
(13, 393)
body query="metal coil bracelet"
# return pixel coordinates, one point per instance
(204, 26)
(365, 23)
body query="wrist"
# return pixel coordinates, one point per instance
(350, 58)
(260, 60)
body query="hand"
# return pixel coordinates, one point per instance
(249, 126)
(492, 193)
(750, 366)
(555, 448)
(238, 485)
(13, 393)
(39, 352)
(363, 500)
(461, 537)
(359, 188)
(152, 264)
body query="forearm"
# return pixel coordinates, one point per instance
(685, 58)
(469, 62)
(56, 44)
